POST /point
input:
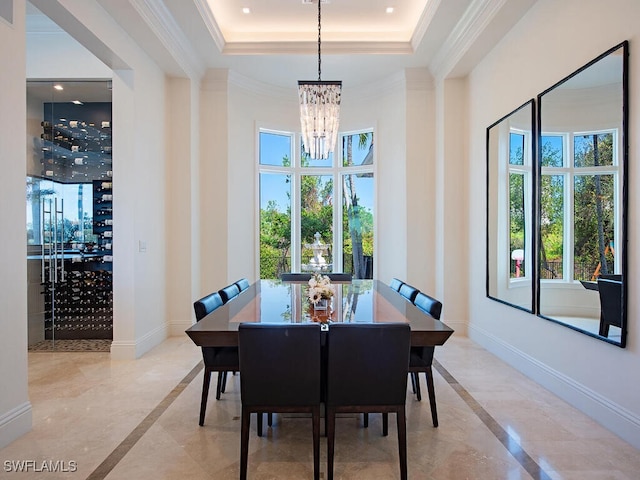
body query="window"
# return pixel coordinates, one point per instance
(579, 213)
(316, 215)
(519, 202)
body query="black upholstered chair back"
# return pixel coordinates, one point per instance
(339, 277)
(367, 364)
(610, 292)
(396, 284)
(428, 305)
(242, 284)
(279, 364)
(305, 277)
(408, 292)
(295, 277)
(229, 292)
(206, 305)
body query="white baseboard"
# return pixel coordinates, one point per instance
(15, 423)
(130, 350)
(610, 415)
(177, 328)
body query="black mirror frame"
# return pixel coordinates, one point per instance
(534, 271)
(625, 182)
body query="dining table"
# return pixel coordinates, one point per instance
(284, 302)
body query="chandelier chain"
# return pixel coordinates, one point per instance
(319, 41)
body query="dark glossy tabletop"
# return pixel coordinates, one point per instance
(273, 301)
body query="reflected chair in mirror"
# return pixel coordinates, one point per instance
(280, 373)
(229, 292)
(396, 284)
(422, 357)
(610, 291)
(216, 359)
(377, 356)
(242, 284)
(408, 292)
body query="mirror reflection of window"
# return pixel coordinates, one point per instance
(582, 158)
(509, 208)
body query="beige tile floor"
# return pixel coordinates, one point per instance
(139, 420)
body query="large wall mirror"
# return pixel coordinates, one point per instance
(510, 225)
(582, 192)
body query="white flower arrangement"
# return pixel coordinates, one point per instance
(320, 287)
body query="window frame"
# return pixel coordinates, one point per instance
(336, 171)
(569, 172)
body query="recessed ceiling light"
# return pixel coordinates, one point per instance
(58, 87)
(246, 10)
(77, 102)
(389, 9)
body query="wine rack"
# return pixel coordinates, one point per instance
(103, 220)
(78, 295)
(75, 151)
(83, 302)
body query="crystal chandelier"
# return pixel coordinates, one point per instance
(319, 110)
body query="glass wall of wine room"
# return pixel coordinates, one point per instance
(69, 215)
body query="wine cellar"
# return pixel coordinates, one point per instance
(70, 214)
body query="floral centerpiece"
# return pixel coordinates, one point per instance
(320, 291)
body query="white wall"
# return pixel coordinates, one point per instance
(15, 409)
(551, 41)
(182, 120)
(213, 186)
(252, 105)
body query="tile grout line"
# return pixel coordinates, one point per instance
(109, 463)
(510, 443)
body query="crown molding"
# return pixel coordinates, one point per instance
(210, 23)
(310, 48)
(474, 21)
(158, 18)
(423, 24)
(261, 88)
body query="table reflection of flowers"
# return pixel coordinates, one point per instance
(321, 291)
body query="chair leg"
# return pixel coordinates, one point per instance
(315, 418)
(385, 424)
(244, 443)
(365, 420)
(417, 380)
(219, 387)
(413, 382)
(331, 436)
(224, 381)
(270, 419)
(432, 396)
(259, 415)
(205, 394)
(402, 441)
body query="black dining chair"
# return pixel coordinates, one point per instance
(305, 277)
(279, 372)
(421, 358)
(295, 277)
(367, 367)
(215, 359)
(610, 292)
(229, 292)
(408, 292)
(242, 284)
(396, 284)
(339, 276)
